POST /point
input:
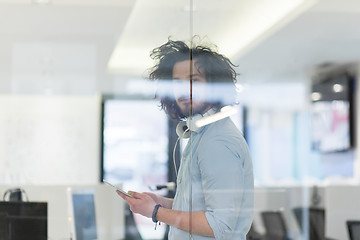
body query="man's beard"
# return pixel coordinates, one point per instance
(193, 111)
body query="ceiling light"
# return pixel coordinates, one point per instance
(338, 88)
(42, 2)
(189, 8)
(316, 96)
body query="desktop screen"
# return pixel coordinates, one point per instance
(331, 126)
(84, 217)
(19, 220)
(332, 115)
(135, 133)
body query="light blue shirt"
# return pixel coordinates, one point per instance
(216, 177)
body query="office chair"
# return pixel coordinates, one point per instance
(311, 219)
(253, 234)
(353, 229)
(274, 225)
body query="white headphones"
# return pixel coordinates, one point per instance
(184, 128)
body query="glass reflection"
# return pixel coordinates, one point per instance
(214, 194)
(59, 57)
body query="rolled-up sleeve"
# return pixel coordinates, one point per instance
(222, 177)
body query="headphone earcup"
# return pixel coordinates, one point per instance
(182, 130)
(191, 122)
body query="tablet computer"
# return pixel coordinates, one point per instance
(117, 188)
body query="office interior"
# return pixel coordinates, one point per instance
(77, 108)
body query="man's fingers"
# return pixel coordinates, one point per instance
(124, 196)
(135, 194)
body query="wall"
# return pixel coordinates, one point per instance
(342, 204)
(49, 139)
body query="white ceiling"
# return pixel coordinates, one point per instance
(325, 34)
(64, 47)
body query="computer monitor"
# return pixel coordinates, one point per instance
(82, 217)
(19, 220)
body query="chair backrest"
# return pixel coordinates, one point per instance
(353, 229)
(274, 225)
(253, 234)
(311, 222)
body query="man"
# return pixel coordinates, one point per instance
(214, 195)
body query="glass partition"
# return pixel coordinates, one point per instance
(210, 114)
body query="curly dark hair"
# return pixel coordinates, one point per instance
(217, 69)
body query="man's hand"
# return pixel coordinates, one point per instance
(153, 196)
(141, 203)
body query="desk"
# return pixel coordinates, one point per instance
(108, 206)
